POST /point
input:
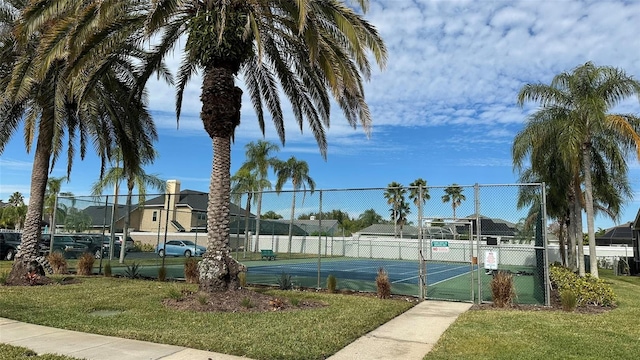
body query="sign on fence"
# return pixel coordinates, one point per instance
(440, 246)
(490, 260)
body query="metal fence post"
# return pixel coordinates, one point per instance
(476, 195)
(319, 238)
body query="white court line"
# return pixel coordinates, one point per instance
(437, 272)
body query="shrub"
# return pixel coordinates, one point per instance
(191, 270)
(588, 290)
(107, 269)
(246, 302)
(502, 289)
(85, 264)
(295, 301)
(284, 282)
(132, 271)
(175, 293)
(331, 284)
(202, 299)
(242, 279)
(569, 300)
(3, 277)
(58, 263)
(383, 284)
(162, 273)
(140, 247)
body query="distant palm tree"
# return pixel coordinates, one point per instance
(307, 50)
(245, 181)
(298, 173)
(76, 220)
(368, 218)
(16, 199)
(578, 102)
(135, 177)
(395, 197)
(454, 195)
(54, 187)
(258, 159)
(419, 194)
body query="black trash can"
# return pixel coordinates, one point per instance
(587, 264)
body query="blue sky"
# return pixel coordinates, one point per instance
(444, 109)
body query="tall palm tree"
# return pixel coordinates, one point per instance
(419, 194)
(309, 49)
(63, 65)
(54, 190)
(454, 195)
(245, 181)
(581, 100)
(395, 197)
(296, 171)
(258, 159)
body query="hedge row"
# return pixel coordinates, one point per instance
(588, 290)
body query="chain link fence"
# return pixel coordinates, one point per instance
(433, 242)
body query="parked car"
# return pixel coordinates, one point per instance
(184, 248)
(95, 244)
(130, 244)
(64, 244)
(9, 243)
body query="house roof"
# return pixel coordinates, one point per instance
(101, 217)
(489, 227)
(195, 200)
(267, 227)
(621, 234)
(388, 229)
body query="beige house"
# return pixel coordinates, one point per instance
(176, 211)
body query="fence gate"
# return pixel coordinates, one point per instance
(448, 260)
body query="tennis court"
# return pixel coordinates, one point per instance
(360, 274)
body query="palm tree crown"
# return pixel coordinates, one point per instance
(454, 195)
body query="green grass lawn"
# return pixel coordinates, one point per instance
(8, 352)
(305, 334)
(510, 334)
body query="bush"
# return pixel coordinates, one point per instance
(85, 264)
(107, 269)
(569, 300)
(191, 274)
(246, 302)
(331, 284)
(284, 282)
(162, 273)
(140, 247)
(132, 271)
(58, 263)
(3, 277)
(588, 290)
(383, 284)
(175, 293)
(502, 289)
(242, 279)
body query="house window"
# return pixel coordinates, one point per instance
(155, 216)
(202, 216)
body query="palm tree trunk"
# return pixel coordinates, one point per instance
(114, 216)
(571, 232)
(293, 211)
(561, 240)
(247, 211)
(33, 221)
(259, 208)
(577, 204)
(220, 115)
(588, 195)
(127, 219)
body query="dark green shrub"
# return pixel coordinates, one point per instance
(191, 274)
(383, 284)
(502, 289)
(295, 301)
(331, 284)
(284, 281)
(246, 302)
(162, 273)
(132, 271)
(175, 293)
(3, 277)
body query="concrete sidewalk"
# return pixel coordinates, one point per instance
(409, 336)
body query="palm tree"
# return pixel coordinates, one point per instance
(259, 160)
(419, 194)
(298, 173)
(63, 67)
(54, 187)
(309, 49)
(135, 177)
(245, 181)
(454, 195)
(580, 102)
(395, 197)
(76, 220)
(16, 199)
(368, 218)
